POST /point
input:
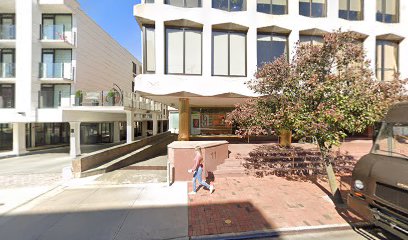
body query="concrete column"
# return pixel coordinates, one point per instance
(28, 56)
(207, 51)
(251, 51)
(33, 132)
(130, 128)
(155, 123)
(159, 36)
(144, 128)
(293, 7)
(162, 125)
(370, 48)
(184, 119)
(116, 132)
(19, 140)
(75, 139)
(292, 41)
(333, 10)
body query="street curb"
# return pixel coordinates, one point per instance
(282, 231)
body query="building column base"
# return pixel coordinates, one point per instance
(75, 139)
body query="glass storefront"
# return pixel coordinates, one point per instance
(92, 133)
(6, 137)
(49, 133)
(210, 121)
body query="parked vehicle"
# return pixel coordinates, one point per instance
(379, 189)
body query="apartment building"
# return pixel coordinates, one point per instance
(64, 80)
(197, 54)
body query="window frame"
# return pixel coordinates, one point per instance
(184, 50)
(185, 4)
(229, 6)
(271, 8)
(13, 89)
(383, 6)
(348, 11)
(229, 53)
(271, 34)
(145, 71)
(382, 58)
(311, 10)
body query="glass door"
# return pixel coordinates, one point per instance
(7, 63)
(7, 27)
(47, 96)
(48, 28)
(48, 64)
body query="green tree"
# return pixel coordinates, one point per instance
(325, 91)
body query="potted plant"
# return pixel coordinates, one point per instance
(110, 97)
(78, 98)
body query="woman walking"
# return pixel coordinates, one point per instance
(197, 171)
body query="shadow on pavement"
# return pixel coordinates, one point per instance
(239, 217)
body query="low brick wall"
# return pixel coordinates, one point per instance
(101, 157)
(181, 155)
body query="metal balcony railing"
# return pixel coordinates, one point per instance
(57, 32)
(53, 99)
(7, 70)
(56, 70)
(7, 32)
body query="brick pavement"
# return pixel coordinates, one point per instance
(247, 203)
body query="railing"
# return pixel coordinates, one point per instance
(56, 70)
(229, 5)
(57, 32)
(184, 3)
(54, 99)
(7, 32)
(7, 70)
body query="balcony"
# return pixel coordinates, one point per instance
(57, 36)
(56, 71)
(7, 36)
(53, 99)
(7, 32)
(7, 70)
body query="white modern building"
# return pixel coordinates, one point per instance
(64, 80)
(197, 54)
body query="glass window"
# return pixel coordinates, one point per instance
(149, 50)
(229, 5)
(270, 47)
(314, 40)
(275, 7)
(387, 60)
(7, 26)
(6, 136)
(388, 11)
(7, 63)
(56, 63)
(229, 54)
(7, 96)
(149, 1)
(183, 51)
(184, 3)
(312, 8)
(351, 9)
(56, 27)
(392, 140)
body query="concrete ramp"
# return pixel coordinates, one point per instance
(121, 156)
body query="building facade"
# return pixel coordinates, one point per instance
(197, 54)
(64, 80)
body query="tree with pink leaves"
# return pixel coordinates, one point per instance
(324, 92)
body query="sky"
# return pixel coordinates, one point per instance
(116, 18)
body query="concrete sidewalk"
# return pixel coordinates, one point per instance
(83, 210)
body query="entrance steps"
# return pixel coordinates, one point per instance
(123, 156)
(232, 167)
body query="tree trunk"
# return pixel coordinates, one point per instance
(285, 138)
(337, 199)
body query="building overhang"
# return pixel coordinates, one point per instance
(274, 29)
(390, 37)
(8, 6)
(313, 32)
(57, 44)
(58, 6)
(230, 27)
(7, 43)
(183, 23)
